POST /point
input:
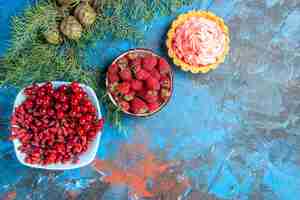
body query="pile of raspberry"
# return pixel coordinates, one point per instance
(55, 125)
(140, 83)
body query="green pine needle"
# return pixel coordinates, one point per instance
(31, 59)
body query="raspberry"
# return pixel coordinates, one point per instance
(138, 106)
(149, 63)
(133, 56)
(125, 74)
(152, 83)
(122, 63)
(141, 93)
(151, 96)
(136, 85)
(153, 106)
(113, 69)
(136, 65)
(130, 96)
(113, 87)
(155, 74)
(112, 78)
(123, 88)
(163, 66)
(165, 93)
(124, 105)
(165, 82)
(142, 75)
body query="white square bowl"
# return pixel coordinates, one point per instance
(85, 158)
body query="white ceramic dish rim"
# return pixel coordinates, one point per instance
(85, 158)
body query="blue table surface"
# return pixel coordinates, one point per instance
(233, 133)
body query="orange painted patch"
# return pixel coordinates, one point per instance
(119, 176)
(10, 195)
(136, 176)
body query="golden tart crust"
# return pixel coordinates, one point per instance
(181, 19)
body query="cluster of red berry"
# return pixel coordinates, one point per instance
(140, 83)
(55, 125)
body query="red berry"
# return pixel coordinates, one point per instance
(149, 62)
(63, 98)
(113, 69)
(49, 135)
(153, 106)
(56, 95)
(65, 106)
(48, 86)
(123, 88)
(82, 131)
(84, 109)
(39, 101)
(99, 124)
(122, 62)
(140, 93)
(75, 86)
(43, 111)
(87, 103)
(113, 78)
(58, 106)
(92, 109)
(138, 106)
(125, 74)
(28, 104)
(151, 96)
(89, 118)
(124, 105)
(83, 140)
(163, 66)
(46, 101)
(155, 74)
(165, 93)
(50, 112)
(60, 114)
(136, 62)
(142, 75)
(80, 95)
(113, 87)
(75, 101)
(132, 55)
(136, 65)
(152, 83)
(136, 85)
(83, 120)
(41, 93)
(129, 96)
(136, 69)
(87, 127)
(165, 82)
(92, 134)
(63, 88)
(76, 109)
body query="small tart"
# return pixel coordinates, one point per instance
(198, 41)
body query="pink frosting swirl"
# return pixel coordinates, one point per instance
(199, 41)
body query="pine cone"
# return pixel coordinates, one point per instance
(66, 2)
(53, 36)
(85, 14)
(64, 11)
(88, 1)
(93, 3)
(71, 28)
